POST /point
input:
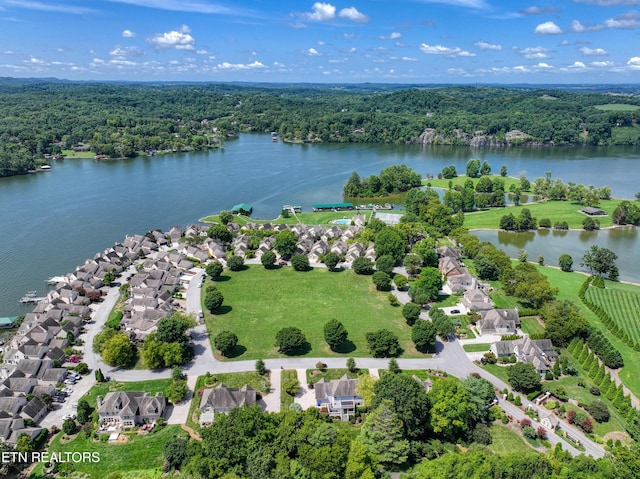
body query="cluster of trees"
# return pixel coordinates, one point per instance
(168, 345)
(601, 261)
(523, 222)
(626, 213)
(392, 180)
(405, 425)
(115, 347)
(431, 217)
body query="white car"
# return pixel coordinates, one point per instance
(68, 416)
(67, 390)
(70, 382)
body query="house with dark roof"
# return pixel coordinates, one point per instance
(130, 408)
(539, 352)
(338, 397)
(34, 410)
(221, 399)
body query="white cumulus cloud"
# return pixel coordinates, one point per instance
(634, 63)
(174, 39)
(128, 34)
(126, 52)
(313, 52)
(548, 28)
(241, 66)
(593, 52)
(482, 45)
(353, 14)
(446, 51)
(322, 12)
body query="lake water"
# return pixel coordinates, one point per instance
(51, 222)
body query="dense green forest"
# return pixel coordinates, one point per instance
(39, 117)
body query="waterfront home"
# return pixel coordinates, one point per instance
(448, 251)
(221, 399)
(130, 408)
(460, 283)
(449, 267)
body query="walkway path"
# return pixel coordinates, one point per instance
(305, 396)
(272, 400)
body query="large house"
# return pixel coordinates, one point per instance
(338, 397)
(499, 321)
(128, 409)
(221, 399)
(538, 352)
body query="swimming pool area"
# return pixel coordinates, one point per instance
(341, 221)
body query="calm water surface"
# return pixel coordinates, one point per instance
(51, 222)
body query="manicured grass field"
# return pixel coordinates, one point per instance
(506, 441)
(310, 218)
(623, 306)
(78, 154)
(498, 371)
(152, 387)
(531, 325)
(330, 374)
(141, 453)
(617, 107)
(556, 211)
(462, 178)
(258, 302)
(476, 348)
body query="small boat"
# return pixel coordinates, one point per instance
(45, 167)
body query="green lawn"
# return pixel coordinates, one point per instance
(617, 107)
(310, 218)
(462, 178)
(476, 348)
(554, 210)
(258, 302)
(314, 375)
(498, 371)
(101, 389)
(623, 305)
(506, 441)
(531, 325)
(78, 154)
(286, 400)
(141, 454)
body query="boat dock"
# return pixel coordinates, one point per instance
(30, 297)
(57, 279)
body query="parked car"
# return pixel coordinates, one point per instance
(70, 381)
(455, 311)
(68, 416)
(67, 390)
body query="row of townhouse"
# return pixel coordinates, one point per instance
(33, 357)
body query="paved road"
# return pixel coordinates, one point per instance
(450, 357)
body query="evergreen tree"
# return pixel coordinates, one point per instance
(381, 435)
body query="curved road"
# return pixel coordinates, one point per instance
(450, 357)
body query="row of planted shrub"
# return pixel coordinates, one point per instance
(581, 351)
(597, 341)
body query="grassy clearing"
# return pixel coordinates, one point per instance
(141, 454)
(505, 441)
(461, 179)
(622, 304)
(531, 325)
(554, 210)
(101, 389)
(498, 371)
(617, 107)
(258, 302)
(310, 218)
(314, 375)
(286, 399)
(78, 154)
(476, 348)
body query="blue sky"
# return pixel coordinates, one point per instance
(391, 41)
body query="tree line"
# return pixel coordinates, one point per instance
(120, 120)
